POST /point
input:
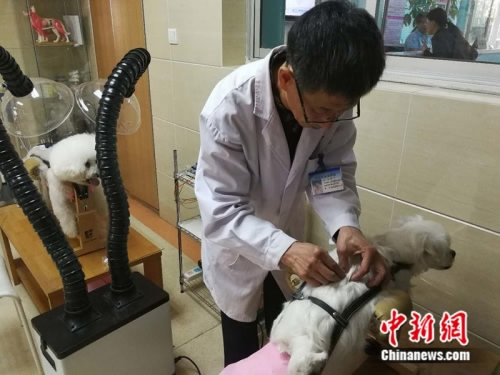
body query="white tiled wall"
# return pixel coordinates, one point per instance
(435, 153)
(470, 284)
(211, 37)
(233, 32)
(451, 158)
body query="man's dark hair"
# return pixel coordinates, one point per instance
(440, 16)
(337, 48)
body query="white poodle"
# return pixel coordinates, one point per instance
(303, 330)
(70, 161)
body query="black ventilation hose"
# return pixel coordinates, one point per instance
(76, 299)
(17, 83)
(120, 84)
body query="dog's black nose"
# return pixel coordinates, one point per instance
(453, 253)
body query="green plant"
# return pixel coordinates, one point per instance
(453, 9)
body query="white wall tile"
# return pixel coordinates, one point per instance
(470, 284)
(379, 143)
(199, 31)
(156, 23)
(451, 159)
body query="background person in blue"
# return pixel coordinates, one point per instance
(418, 37)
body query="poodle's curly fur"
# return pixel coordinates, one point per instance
(71, 160)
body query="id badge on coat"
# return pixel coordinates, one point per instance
(326, 181)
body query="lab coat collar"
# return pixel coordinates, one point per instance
(265, 108)
(273, 131)
(264, 103)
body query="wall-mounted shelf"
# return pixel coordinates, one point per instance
(192, 227)
(186, 177)
(52, 44)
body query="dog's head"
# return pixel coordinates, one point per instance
(423, 244)
(73, 159)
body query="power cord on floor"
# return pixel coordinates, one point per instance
(177, 359)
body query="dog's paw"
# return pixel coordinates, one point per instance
(311, 363)
(299, 366)
(69, 228)
(318, 361)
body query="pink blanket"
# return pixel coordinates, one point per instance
(267, 361)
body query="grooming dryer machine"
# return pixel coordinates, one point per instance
(120, 328)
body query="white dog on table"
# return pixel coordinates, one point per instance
(70, 161)
(301, 334)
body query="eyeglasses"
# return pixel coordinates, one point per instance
(307, 121)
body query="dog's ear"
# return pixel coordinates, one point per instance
(420, 242)
(408, 219)
(66, 171)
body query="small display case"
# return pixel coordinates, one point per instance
(58, 39)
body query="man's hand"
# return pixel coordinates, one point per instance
(312, 264)
(350, 241)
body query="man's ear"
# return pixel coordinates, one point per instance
(285, 77)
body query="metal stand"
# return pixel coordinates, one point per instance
(178, 211)
(191, 227)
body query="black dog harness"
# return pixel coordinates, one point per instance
(342, 318)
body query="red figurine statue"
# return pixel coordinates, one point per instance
(42, 25)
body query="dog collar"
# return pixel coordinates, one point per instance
(44, 161)
(297, 295)
(398, 266)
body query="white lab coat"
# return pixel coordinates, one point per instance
(251, 199)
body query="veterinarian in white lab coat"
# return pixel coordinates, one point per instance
(264, 129)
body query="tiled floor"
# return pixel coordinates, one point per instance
(196, 329)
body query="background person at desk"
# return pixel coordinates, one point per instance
(447, 39)
(418, 37)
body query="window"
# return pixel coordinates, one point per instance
(478, 21)
(295, 8)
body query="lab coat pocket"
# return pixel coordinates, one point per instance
(219, 255)
(228, 257)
